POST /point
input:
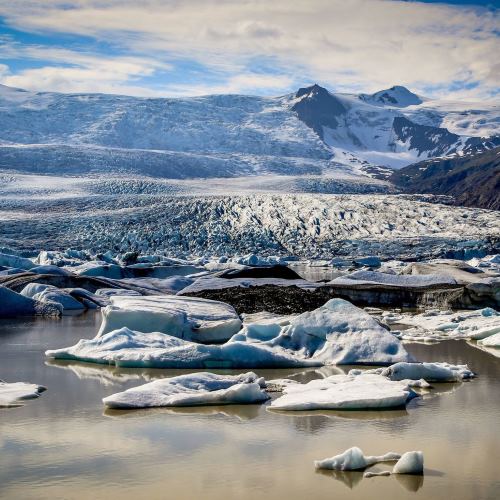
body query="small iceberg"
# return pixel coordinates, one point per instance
(354, 459)
(344, 392)
(195, 389)
(430, 372)
(411, 462)
(14, 393)
(189, 318)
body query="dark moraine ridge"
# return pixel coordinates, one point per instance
(472, 181)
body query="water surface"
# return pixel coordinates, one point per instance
(64, 445)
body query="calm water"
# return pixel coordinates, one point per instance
(64, 445)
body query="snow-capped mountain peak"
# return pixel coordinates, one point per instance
(397, 96)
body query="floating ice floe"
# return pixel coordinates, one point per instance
(336, 333)
(438, 325)
(354, 459)
(14, 393)
(14, 304)
(392, 280)
(195, 389)
(345, 392)
(189, 318)
(430, 372)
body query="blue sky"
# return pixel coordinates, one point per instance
(194, 47)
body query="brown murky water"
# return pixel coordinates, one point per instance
(63, 445)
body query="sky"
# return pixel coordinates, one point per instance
(263, 47)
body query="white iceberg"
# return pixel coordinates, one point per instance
(14, 304)
(492, 341)
(435, 325)
(354, 459)
(336, 333)
(12, 394)
(430, 372)
(411, 462)
(344, 392)
(8, 260)
(52, 294)
(189, 318)
(195, 389)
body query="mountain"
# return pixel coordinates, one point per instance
(309, 132)
(472, 180)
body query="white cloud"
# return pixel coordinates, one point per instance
(348, 45)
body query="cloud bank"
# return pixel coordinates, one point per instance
(185, 47)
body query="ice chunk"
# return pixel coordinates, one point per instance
(354, 459)
(15, 261)
(492, 341)
(336, 333)
(127, 348)
(444, 325)
(412, 462)
(190, 318)
(344, 392)
(14, 304)
(52, 294)
(12, 394)
(195, 389)
(108, 292)
(430, 372)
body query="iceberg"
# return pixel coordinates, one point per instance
(195, 389)
(8, 260)
(411, 462)
(492, 341)
(189, 318)
(14, 304)
(430, 372)
(354, 459)
(336, 333)
(14, 393)
(52, 294)
(344, 392)
(435, 325)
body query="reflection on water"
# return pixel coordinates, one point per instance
(65, 445)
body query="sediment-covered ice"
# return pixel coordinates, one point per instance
(195, 389)
(411, 462)
(430, 372)
(214, 283)
(336, 333)
(12, 394)
(344, 392)
(393, 280)
(354, 459)
(188, 318)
